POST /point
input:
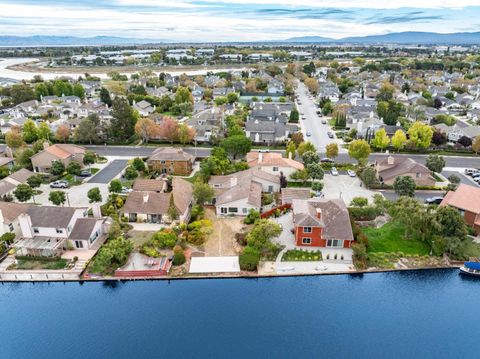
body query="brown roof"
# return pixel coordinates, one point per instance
(170, 154)
(83, 228)
(149, 185)
(401, 165)
(295, 193)
(61, 150)
(5, 160)
(147, 202)
(334, 218)
(21, 175)
(272, 159)
(6, 187)
(51, 216)
(465, 197)
(11, 210)
(182, 193)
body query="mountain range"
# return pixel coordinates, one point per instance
(408, 37)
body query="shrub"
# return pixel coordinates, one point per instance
(164, 239)
(7, 238)
(368, 213)
(241, 238)
(359, 202)
(252, 217)
(249, 259)
(179, 258)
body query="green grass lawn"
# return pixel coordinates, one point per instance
(390, 238)
(471, 249)
(299, 255)
(27, 264)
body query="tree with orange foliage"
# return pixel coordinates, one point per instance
(185, 134)
(146, 128)
(168, 129)
(63, 133)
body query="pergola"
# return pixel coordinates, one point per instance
(40, 246)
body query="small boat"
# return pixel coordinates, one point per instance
(471, 268)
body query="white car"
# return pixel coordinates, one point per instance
(334, 171)
(308, 134)
(351, 173)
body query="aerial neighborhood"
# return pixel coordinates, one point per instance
(278, 160)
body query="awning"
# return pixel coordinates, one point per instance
(472, 265)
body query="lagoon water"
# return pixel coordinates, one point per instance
(423, 314)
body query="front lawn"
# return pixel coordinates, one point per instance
(390, 239)
(33, 263)
(300, 255)
(471, 249)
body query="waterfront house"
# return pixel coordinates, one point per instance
(9, 213)
(320, 222)
(171, 160)
(467, 200)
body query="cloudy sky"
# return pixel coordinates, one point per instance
(234, 20)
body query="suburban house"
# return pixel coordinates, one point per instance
(467, 200)
(171, 160)
(65, 153)
(9, 213)
(320, 222)
(207, 123)
(393, 166)
(50, 230)
(238, 193)
(144, 108)
(152, 206)
(273, 163)
(9, 183)
(459, 130)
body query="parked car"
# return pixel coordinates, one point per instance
(330, 134)
(327, 160)
(351, 173)
(471, 171)
(85, 173)
(334, 171)
(126, 190)
(475, 175)
(59, 184)
(264, 150)
(308, 134)
(319, 112)
(434, 200)
(303, 117)
(324, 122)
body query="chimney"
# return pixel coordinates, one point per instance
(145, 197)
(390, 160)
(233, 181)
(97, 213)
(289, 155)
(260, 157)
(25, 223)
(319, 213)
(46, 145)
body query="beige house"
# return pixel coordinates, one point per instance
(65, 153)
(393, 166)
(9, 213)
(274, 163)
(152, 205)
(9, 183)
(170, 160)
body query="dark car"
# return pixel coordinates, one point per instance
(85, 173)
(330, 134)
(434, 200)
(327, 160)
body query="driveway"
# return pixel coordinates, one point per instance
(111, 171)
(76, 195)
(345, 187)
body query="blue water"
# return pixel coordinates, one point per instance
(426, 314)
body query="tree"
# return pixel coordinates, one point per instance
(44, 132)
(312, 85)
(57, 168)
(29, 131)
(381, 139)
(297, 138)
(404, 186)
(260, 235)
(14, 139)
(291, 149)
(185, 133)
(169, 129)
(89, 158)
(146, 128)
(138, 164)
(23, 192)
(78, 90)
(131, 173)
(249, 259)
(172, 211)
(24, 158)
(369, 176)
(310, 157)
(232, 97)
(63, 133)
(332, 150)
(74, 168)
(237, 145)
(439, 138)
(451, 222)
(294, 116)
(115, 186)
(359, 150)
(386, 92)
(202, 192)
(86, 132)
(34, 181)
(315, 171)
(105, 96)
(305, 147)
(94, 195)
(300, 175)
(454, 182)
(399, 139)
(182, 95)
(359, 202)
(317, 186)
(420, 134)
(21, 93)
(123, 120)
(435, 163)
(476, 145)
(57, 198)
(465, 141)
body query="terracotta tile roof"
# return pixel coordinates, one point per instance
(63, 150)
(465, 197)
(57, 152)
(334, 218)
(272, 159)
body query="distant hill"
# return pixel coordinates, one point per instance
(40, 40)
(408, 37)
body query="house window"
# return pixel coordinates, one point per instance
(335, 243)
(232, 209)
(10, 227)
(94, 237)
(78, 244)
(307, 229)
(306, 240)
(223, 210)
(275, 169)
(419, 175)
(59, 230)
(270, 188)
(245, 210)
(35, 230)
(163, 162)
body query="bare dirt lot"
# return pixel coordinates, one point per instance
(221, 242)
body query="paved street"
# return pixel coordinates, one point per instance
(313, 122)
(109, 172)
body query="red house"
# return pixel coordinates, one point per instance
(320, 222)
